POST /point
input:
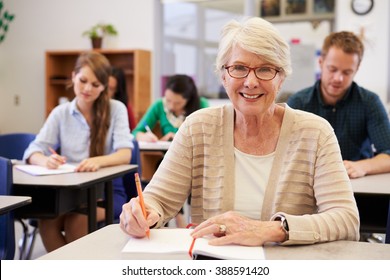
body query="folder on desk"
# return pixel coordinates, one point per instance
(37, 170)
(176, 243)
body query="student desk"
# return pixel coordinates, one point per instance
(11, 202)
(151, 155)
(376, 188)
(159, 146)
(107, 243)
(53, 195)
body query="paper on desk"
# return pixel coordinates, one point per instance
(175, 244)
(37, 170)
(159, 145)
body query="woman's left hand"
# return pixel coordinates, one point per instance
(232, 228)
(89, 165)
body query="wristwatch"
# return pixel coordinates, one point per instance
(283, 225)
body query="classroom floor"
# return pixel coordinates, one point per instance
(38, 250)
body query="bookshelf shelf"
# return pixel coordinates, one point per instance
(135, 63)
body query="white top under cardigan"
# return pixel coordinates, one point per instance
(308, 182)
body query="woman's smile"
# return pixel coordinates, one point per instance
(251, 96)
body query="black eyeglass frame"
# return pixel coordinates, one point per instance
(251, 69)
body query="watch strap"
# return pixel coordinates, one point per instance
(283, 225)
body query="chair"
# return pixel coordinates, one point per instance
(7, 224)
(12, 146)
(387, 237)
(128, 179)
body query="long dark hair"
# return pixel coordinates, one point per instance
(121, 90)
(100, 66)
(185, 86)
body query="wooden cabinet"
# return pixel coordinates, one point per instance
(135, 63)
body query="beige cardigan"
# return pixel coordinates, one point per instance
(308, 182)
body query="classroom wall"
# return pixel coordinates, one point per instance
(374, 70)
(41, 25)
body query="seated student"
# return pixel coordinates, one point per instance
(117, 90)
(258, 171)
(356, 114)
(93, 131)
(180, 100)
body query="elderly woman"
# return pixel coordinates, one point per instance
(258, 171)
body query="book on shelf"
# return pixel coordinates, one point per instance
(37, 170)
(177, 243)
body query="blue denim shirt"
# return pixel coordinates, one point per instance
(359, 120)
(67, 128)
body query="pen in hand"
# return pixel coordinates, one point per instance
(58, 157)
(147, 128)
(141, 199)
(151, 137)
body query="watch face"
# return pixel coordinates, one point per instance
(362, 7)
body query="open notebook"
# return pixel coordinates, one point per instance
(175, 244)
(37, 170)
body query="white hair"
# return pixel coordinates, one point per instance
(257, 36)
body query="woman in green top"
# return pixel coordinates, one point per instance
(180, 100)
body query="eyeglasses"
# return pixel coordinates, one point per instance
(264, 73)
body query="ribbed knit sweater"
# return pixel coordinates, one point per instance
(308, 182)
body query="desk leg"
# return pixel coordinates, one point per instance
(109, 190)
(92, 204)
(387, 239)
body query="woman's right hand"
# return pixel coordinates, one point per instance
(132, 220)
(54, 161)
(147, 137)
(51, 162)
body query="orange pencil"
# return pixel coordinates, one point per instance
(141, 199)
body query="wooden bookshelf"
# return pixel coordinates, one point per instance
(135, 63)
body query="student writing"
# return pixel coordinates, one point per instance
(93, 131)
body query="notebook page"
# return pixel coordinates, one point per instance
(163, 244)
(37, 170)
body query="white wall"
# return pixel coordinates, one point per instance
(41, 25)
(374, 70)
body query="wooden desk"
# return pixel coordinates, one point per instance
(11, 202)
(151, 156)
(376, 186)
(107, 243)
(53, 195)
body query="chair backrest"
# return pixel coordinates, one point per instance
(136, 156)
(13, 145)
(7, 226)
(128, 179)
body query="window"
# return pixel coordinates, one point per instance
(297, 10)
